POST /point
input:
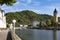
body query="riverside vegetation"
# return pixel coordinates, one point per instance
(27, 17)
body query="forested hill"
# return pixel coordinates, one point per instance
(26, 17)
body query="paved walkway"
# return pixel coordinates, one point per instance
(5, 35)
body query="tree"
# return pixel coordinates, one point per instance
(7, 2)
(42, 24)
(48, 22)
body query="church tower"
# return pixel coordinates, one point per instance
(55, 16)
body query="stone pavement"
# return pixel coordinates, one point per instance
(3, 34)
(6, 35)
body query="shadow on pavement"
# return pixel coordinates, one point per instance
(9, 36)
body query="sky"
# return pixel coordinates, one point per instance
(38, 6)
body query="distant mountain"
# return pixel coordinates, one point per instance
(26, 17)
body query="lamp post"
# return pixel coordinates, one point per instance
(14, 21)
(21, 26)
(11, 26)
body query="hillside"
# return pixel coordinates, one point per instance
(26, 17)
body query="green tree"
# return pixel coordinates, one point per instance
(7, 2)
(48, 22)
(42, 25)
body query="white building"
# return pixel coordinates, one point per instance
(35, 23)
(2, 19)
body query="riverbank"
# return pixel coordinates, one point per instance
(46, 28)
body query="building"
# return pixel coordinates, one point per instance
(35, 23)
(2, 19)
(55, 16)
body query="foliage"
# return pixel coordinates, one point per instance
(42, 24)
(7, 2)
(8, 25)
(48, 22)
(25, 17)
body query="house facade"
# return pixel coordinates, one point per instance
(2, 19)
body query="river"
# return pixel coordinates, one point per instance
(36, 34)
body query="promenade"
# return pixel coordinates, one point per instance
(8, 35)
(5, 35)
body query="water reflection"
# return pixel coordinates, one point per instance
(35, 34)
(54, 35)
(25, 34)
(58, 35)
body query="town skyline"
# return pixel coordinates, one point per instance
(38, 6)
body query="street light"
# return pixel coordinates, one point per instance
(11, 26)
(14, 21)
(21, 26)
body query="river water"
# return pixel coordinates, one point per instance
(36, 34)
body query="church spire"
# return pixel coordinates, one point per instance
(55, 15)
(55, 11)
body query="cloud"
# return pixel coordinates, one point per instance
(34, 6)
(26, 1)
(37, 11)
(36, 3)
(50, 9)
(29, 1)
(17, 3)
(23, 4)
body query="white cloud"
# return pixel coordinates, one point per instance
(17, 3)
(50, 9)
(26, 1)
(36, 3)
(24, 4)
(29, 1)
